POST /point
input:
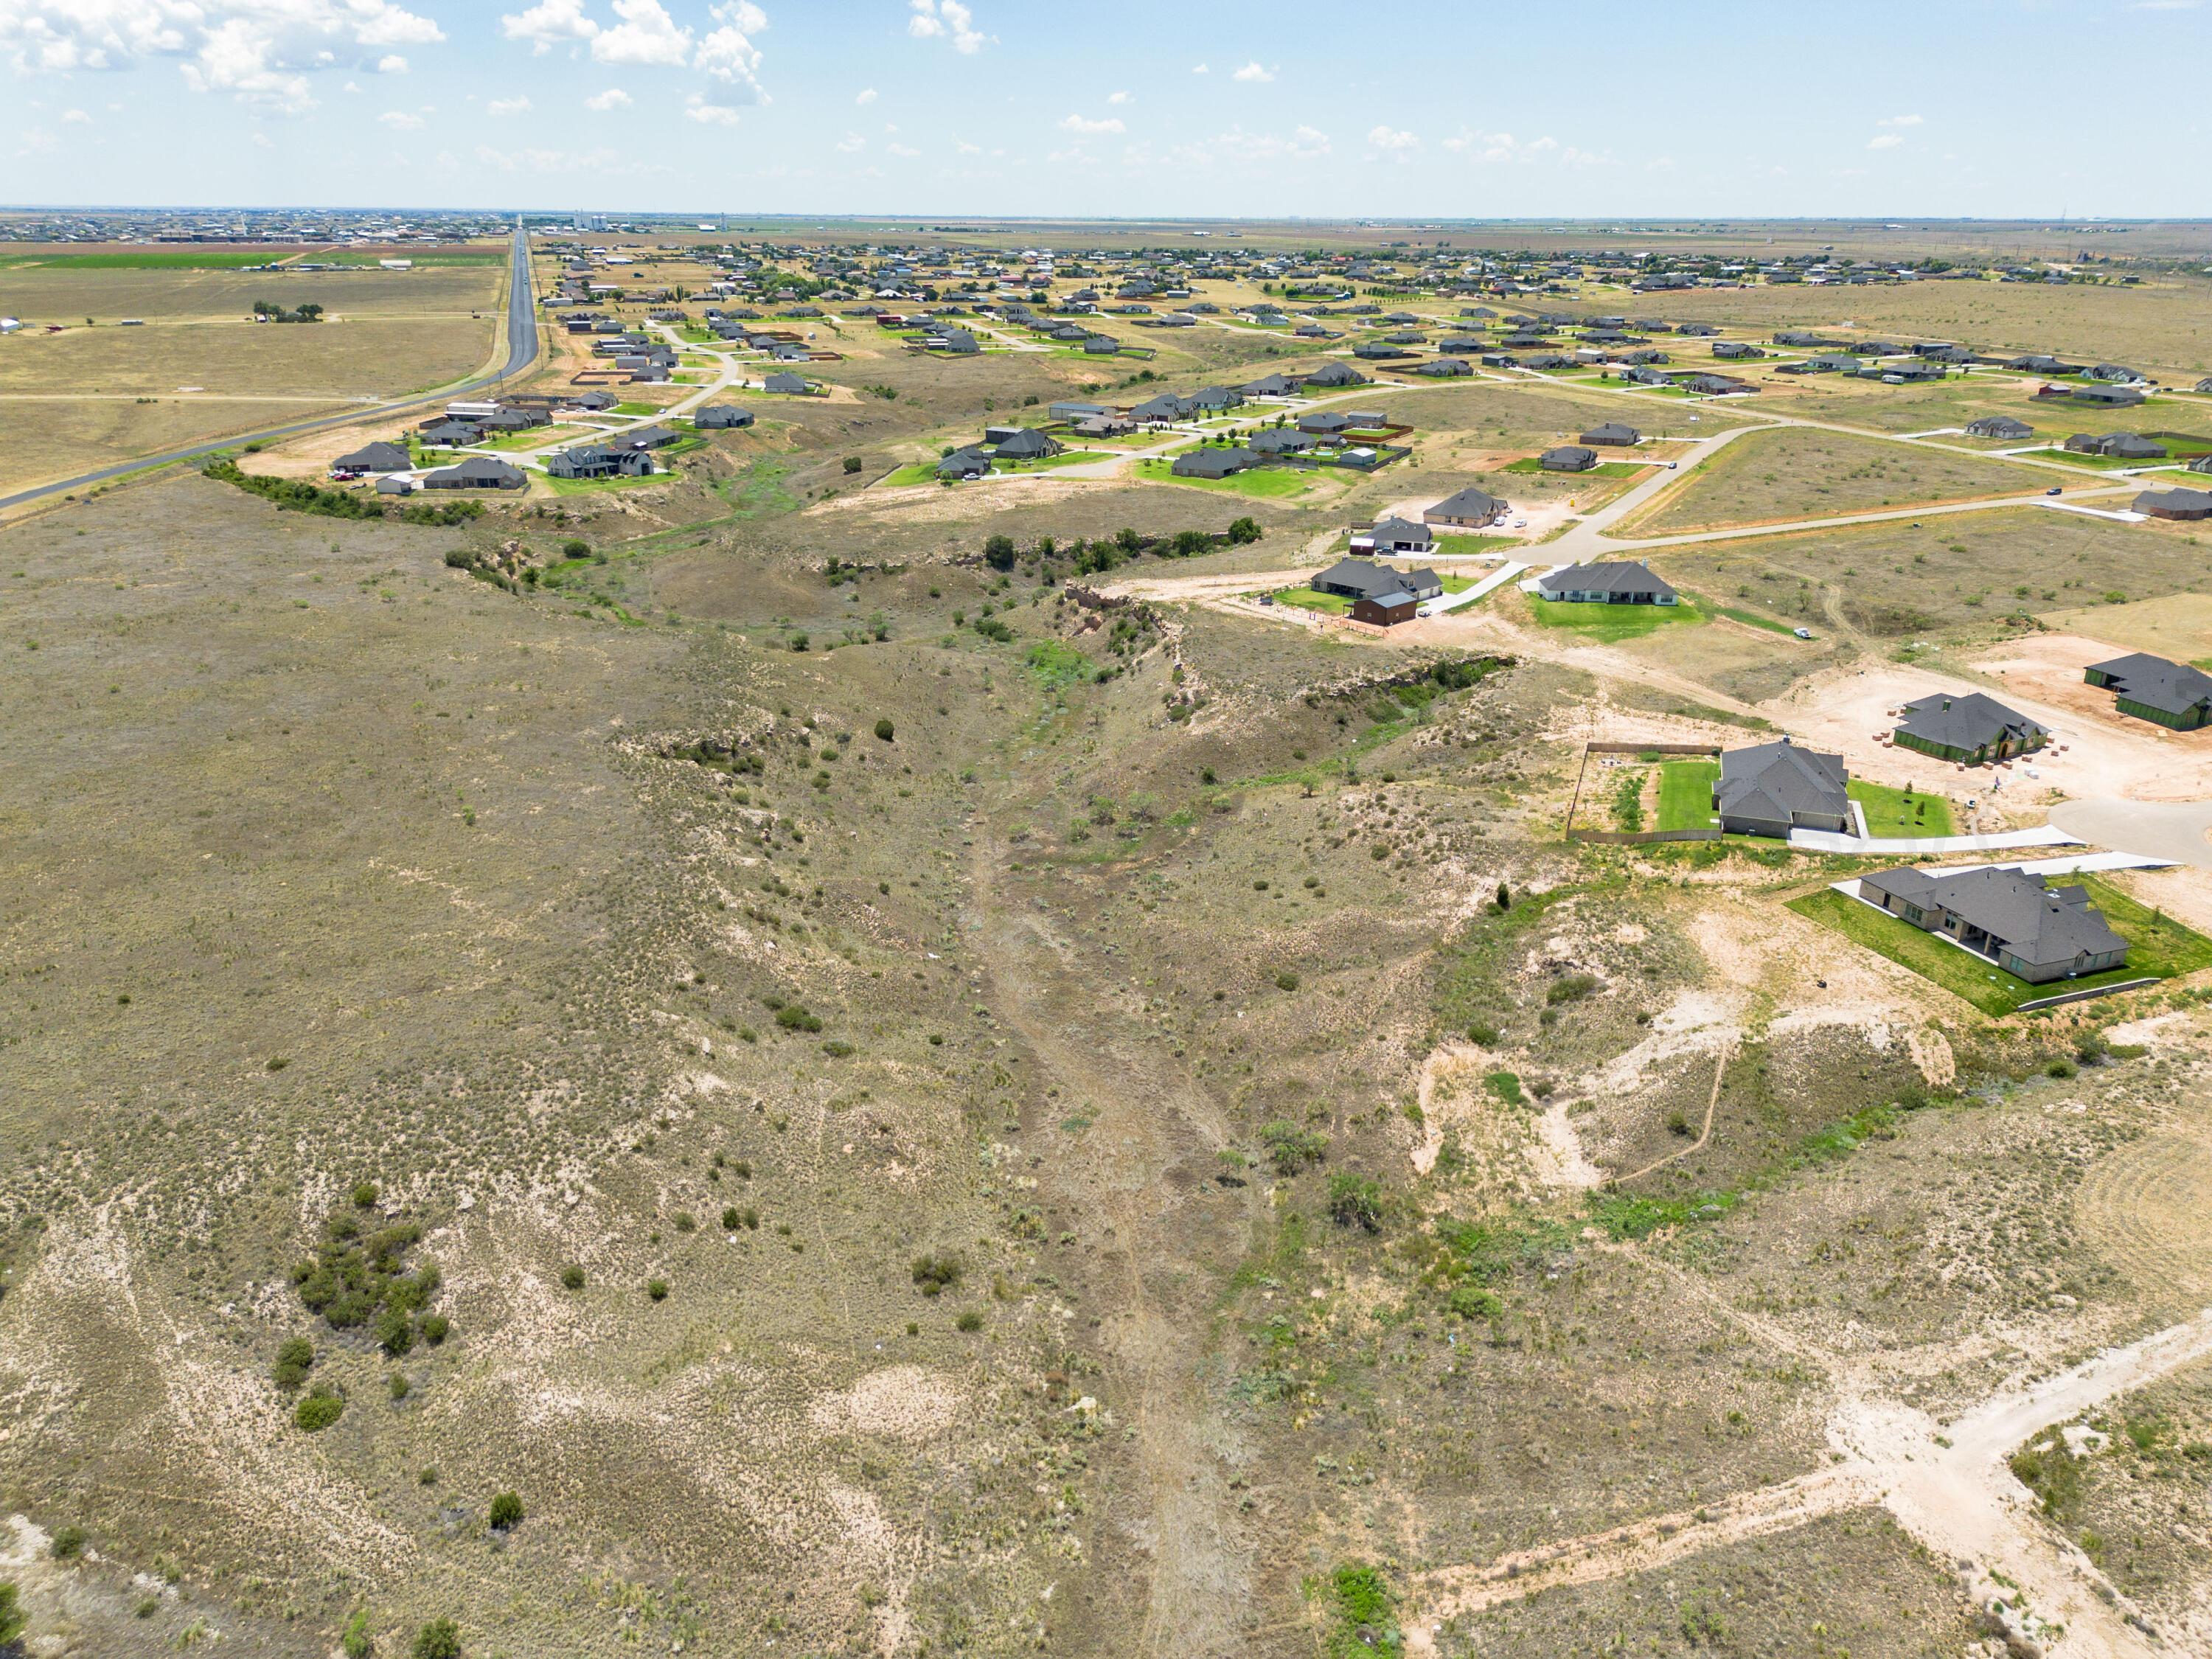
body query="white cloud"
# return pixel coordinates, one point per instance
(1304, 143)
(518, 105)
(696, 108)
(1201, 69)
(851, 143)
(1504, 147)
(612, 98)
(945, 20)
(39, 142)
(727, 52)
(867, 96)
(966, 149)
(392, 63)
(400, 120)
(1885, 141)
(550, 21)
(75, 118)
(1079, 124)
(646, 35)
(1119, 98)
(1899, 121)
(1392, 141)
(1253, 71)
(260, 51)
(902, 150)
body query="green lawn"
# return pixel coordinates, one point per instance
(1464, 544)
(145, 261)
(1066, 458)
(1530, 465)
(914, 472)
(2158, 948)
(1266, 482)
(600, 486)
(1333, 604)
(1611, 623)
(1686, 794)
(1892, 814)
(2102, 463)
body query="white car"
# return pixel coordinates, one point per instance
(1520, 523)
(1803, 633)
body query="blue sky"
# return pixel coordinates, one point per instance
(1995, 108)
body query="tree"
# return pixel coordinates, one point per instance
(998, 552)
(885, 729)
(1356, 1201)
(11, 1618)
(505, 1511)
(439, 1639)
(1243, 530)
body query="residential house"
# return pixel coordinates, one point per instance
(646, 437)
(794, 385)
(2104, 397)
(1213, 463)
(973, 462)
(2152, 688)
(451, 434)
(1466, 509)
(2181, 504)
(2119, 445)
(1974, 730)
(1324, 422)
(1385, 610)
(1714, 386)
(1444, 368)
(1614, 582)
(373, 458)
(2116, 374)
(1283, 441)
(1335, 375)
(1567, 458)
(2000, 426)
(1737, 349)
(1271, 386)
(1163, 409)
(599, 461)
(1027, 445)
(1355, 578)
(722, 417)
(1394, 535)
(1213, 399)
(476, 472)
(1614, 435)
(2011, 917)
(1771, 788)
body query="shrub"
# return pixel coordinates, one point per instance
(1573, 989)
(1286, 981)
(793, 1017)
(969, 1321)
(1290, 1148)
(364, 1195)
(998, 552)
(852, 464)
(68, 1543)
(11, 1618)
(936, 1274)
(731, 1219)
(439, 1639)
(1356, 1201)
(505, 1511)
(1473, 1302)
(573, 549)
(885, 729)
(293, 1361)
(2060, 1068)
(394, 1333)
(323, 1406)
(657, 1288)
(1483, 1033)
(571, 1277)
(685, 1222)
(357, 1643)
(436, 1328)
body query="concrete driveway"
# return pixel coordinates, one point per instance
(2166, 829)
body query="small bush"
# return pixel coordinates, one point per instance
(731, 1219)
(852, 464)
(357, 1642)
(293, 1361)
(364, 1195)
(2060, 1068)
(399, 1387)
(323, 1406)
(68, 1543)
(793, 1017)
(1290, 1148)
(657, 1288)
(1286, 981)
(439, 1639)
(571, 1277)
(11, 1618)
(1473, 1302)
(1483, 1033)
(394, 1333)
(685, 1222)
(436, 1328)
(1573, 989)
(885, 729)
(936, 1274)
(505, 1511)
(1356, 1201)
(969, 1321)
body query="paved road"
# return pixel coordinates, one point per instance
(2165, 829)
(522, 352)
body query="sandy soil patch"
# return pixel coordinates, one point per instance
(2176, 625)
(901, 1402)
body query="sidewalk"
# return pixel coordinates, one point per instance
(1490, 584)
(1826, 840)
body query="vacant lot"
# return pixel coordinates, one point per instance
(1795, 472)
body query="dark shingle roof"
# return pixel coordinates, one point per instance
(1776, 781)
(2140, 677)
(2038, 923)
(1974, 721)
(1624, 577)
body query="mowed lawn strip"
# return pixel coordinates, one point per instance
(1895, 814)
(1686, 794)
(2158, 948)
(1610, 623)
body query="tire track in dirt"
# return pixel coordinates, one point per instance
(1137, 1184)
(2142, 1207)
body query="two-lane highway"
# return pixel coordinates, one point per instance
(522, 352)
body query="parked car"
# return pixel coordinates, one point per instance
(1803, 633)
(2055, 489)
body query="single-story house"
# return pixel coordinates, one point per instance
(1356, 579)
(2000, 426)
(476, 472)
(2183, 504)
(1771, 788)
(1567, 458)
(722, 417)
(451, 434)
(1625, 581)
(394, 483)
(646, 437)
(1075, 411)
(1211, 463)
(1614, 435)
(1283, 441)
(1444, 368)
(1330, 375)
(2120, 446)
(1974, 729)
(1394, 536)
(2153, 688)
(1161, 410)
(2202, 464)
(1324, 422)
(969, 463)
(1735, 349)
(1385, 610)
(1101, 426)
(1270, 385)
(1714, 386)
(1466, 509)
(1215, 398)
(373, 458)
(2015, 919)
(2105, 397)
(2115, 374)
(1027, 445)
(599, 461)
(785, 381)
